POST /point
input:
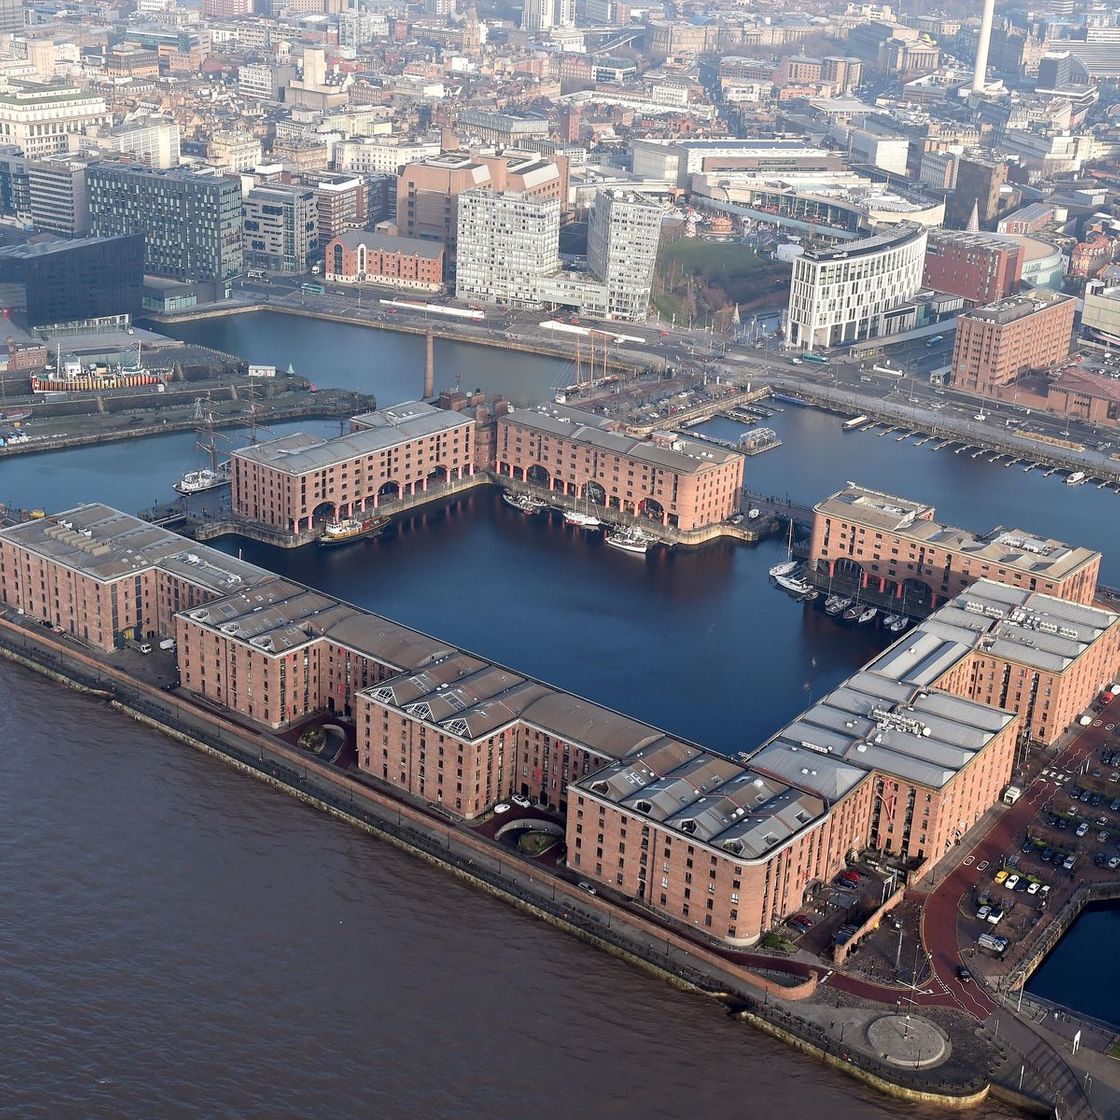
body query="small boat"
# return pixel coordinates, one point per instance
(811, 595)
(788, 566)
(868, 614)
(1076, 479)
(198, 482)
(900, 623)
(754, 514)
(350, 529)
(523, 502)
(629, 540)
(837, 604)
(793, 585)
(582, 520)
(852, 613)
(887, 620)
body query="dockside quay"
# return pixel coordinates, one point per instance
(903, 758)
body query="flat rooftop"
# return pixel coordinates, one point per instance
(301, 452)
(105, 544)
(1013, 308)
(672, 452)
(1005, 548)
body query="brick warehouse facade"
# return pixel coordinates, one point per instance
(291, 481)
(894, 546)
(995, 344)
(903, 757)
(678, 482)
(379, 258)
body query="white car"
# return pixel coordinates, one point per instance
(501, 807)
(1082, 828)
(1032, 888)
(983, 913)
(1011, 882)
(521, 802)
(1114, 863)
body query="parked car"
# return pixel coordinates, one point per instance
(584, 885)
(1000, 876)
(1114, 805)
(1011, 882)
(1032, 886)
(983, 913)
(1102, 836)
(1082, 828)
(964, 973)
(521, 801)
(501, 807)
(1069, 863)
(1047, 854)
(1114, 863)
(995, 916)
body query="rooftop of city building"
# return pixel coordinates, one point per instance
(1016, 307)
(1001, 548)
(105, 544)
(300, 452)
(673, 452)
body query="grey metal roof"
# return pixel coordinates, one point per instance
(300, 452)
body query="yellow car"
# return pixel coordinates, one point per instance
(1000, 876)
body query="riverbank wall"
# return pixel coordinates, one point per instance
(531, 888)
(448, 329)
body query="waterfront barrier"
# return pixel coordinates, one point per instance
(531, 887)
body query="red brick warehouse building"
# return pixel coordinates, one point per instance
(894, 546)
(675, 481)
(378, 258)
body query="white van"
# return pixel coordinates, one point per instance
(1011, 795)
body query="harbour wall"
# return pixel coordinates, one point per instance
(531, 888)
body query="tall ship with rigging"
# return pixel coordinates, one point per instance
(211, 477)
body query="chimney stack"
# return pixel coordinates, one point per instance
(982, 45)
(429, 366)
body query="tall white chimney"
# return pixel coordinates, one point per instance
(982, 46)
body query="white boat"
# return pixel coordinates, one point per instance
(789, 565)
(206, 478)
(754, 514)
(784, 569)
(837, 604)
(1076, 479)
(629, 540)
(900, 623)
(793, 585)
(581, 520)
(867, 615)
(198, 482)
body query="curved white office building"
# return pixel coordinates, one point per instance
(843, 295)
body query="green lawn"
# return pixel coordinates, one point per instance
(695, 278)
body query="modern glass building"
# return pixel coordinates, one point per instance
(65, 281)
(191, 220)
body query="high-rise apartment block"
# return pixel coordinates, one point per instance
(978, 189)
(981, 267)
(191, 220)
(623, 233)
(280, 228)
(509, 246)
(509, 253)
(995, 344)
